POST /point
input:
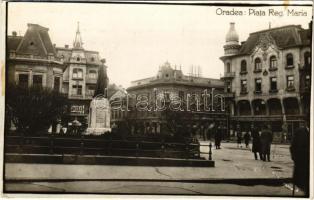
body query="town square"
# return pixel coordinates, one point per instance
(158, 99)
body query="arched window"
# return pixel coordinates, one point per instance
(243, 66)
(273, 62)
(289, 60)
(258, 64)
(78, 59)
(228, 67)
(307, 58)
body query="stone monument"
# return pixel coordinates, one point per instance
(99, 110)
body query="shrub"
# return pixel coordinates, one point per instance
(33, 109)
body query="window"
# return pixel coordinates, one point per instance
(38, 81)
(23, 80)
(228, 67)
(92, 59)
(228, 87)
(77, 89)
(56, 84)
(258, 64)
(290, 82)
(243, 86)
(289, 60)
(91, 90)
(92, 74)
(273, 84)
(77, 73)
(273, 62)
(307, 58)
(243, 66)
(258, 85)
(78, 59)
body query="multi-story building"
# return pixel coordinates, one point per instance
(79, 77)
(32, 59)
(168, 84)
(267, 77)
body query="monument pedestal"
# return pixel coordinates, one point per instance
(99, 117)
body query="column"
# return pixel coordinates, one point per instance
(301, 110)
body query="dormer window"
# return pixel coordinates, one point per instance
(289, 60)
(78, 59)
(92, 59)
(257, 65)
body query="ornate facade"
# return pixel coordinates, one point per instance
(267, 77)
(79, 77)
(168, 84)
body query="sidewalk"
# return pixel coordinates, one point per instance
(235, 169)
(230, 163)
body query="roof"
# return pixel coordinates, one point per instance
(36, 41)
(283, 37)
(13, 42)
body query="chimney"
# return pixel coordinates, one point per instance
(14, 33)
(66, 46)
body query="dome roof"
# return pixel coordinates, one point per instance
(232, 36)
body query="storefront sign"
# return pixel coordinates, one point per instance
(77, 109)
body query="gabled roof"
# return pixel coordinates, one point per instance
(36, 41)
(284, 37)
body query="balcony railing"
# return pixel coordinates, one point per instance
(229, 75)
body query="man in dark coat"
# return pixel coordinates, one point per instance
(218, 136)
(256, 142)
(239, 136)
(300, 154)
(266, 140)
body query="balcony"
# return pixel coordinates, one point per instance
(257, 70)
(229, 75)
(243, 72)
(272, 69)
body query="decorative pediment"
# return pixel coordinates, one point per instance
(265, 45)
(265, 41)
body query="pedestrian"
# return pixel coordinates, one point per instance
(300, 154)
(239, 136)
(247, 139)
(266, 140)
(256, 142)
(218, 137)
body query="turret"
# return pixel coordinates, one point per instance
(232, 41)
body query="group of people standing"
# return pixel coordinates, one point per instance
(261, 141)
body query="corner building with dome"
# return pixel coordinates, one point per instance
(267, 78)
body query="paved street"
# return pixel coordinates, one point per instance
(236, 171)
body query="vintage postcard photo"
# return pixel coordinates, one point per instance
(158, 98)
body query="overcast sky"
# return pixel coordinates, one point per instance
(137, 39)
